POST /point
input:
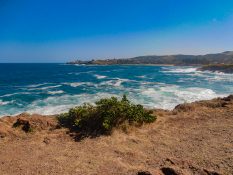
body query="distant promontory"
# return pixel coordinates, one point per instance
(225, 58)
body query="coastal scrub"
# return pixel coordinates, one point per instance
(105, 115)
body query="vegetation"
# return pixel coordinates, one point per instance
(105, 115)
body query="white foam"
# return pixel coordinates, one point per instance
(100, 76)
(2, 103)
(60, 104)
(179, 70)
(117, 82)
(76, 84)
(18, 93)
(192, 71)
(219, 77)
(55, 92)
(142, 76)
(167, 97)
(45, 88)
(36, 85)
(86, 72)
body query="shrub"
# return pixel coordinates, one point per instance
(105, 115)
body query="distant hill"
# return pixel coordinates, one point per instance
(219, 58)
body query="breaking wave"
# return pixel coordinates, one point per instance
(179, 70)
(100, 76)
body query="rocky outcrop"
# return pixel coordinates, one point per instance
(13, 126)
(225, 68)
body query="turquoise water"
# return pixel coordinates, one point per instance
(54, 88)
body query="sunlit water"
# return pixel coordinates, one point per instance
(54, 88)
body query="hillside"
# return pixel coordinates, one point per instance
(192, 139)
(219, 58)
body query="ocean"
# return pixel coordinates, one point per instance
(54, 88)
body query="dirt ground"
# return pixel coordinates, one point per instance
(193, 139)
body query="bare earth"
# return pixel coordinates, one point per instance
(194, 138)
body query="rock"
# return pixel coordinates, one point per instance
(211, 172)
(169, 171)
(184, 107)
(229, 98)
(3, 132)
(47, 140)
(30, 123)
(144, 173)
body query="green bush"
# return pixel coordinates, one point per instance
(105, 115)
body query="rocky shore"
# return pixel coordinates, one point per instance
(194, 138)
(225, 68)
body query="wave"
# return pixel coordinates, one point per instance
(55, 92)
(17, 93)
(179, 70)
(117, 82)
(76, 84)
(167, 97)
(60, 104)
(192, 71)
(45, 88)
(142, 76)
(2, 103)
(100, 76)
(36, 85)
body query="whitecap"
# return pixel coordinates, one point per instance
(55, 92)
(117, 82)
(45, 88)
(142, 76)
(36, 85)
(17, 93)
(184, 70)
(100, 76)
(2, 103)
(76, 84)
(84, 72)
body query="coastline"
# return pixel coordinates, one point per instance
(193, 137)
(224, 68)
(126, 64)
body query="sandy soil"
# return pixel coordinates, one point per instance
(194, 138)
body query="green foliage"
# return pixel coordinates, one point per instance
(105, 115)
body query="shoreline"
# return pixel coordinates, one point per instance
(32, 113)
(123, 64)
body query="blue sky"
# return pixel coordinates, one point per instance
(62, 30)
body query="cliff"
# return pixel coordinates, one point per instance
(194, 138)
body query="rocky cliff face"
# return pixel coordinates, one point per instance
(194, 138)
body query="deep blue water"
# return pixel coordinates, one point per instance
(54, 88)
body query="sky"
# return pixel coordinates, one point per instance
(63, 30)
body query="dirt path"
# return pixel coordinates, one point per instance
(192, 139)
